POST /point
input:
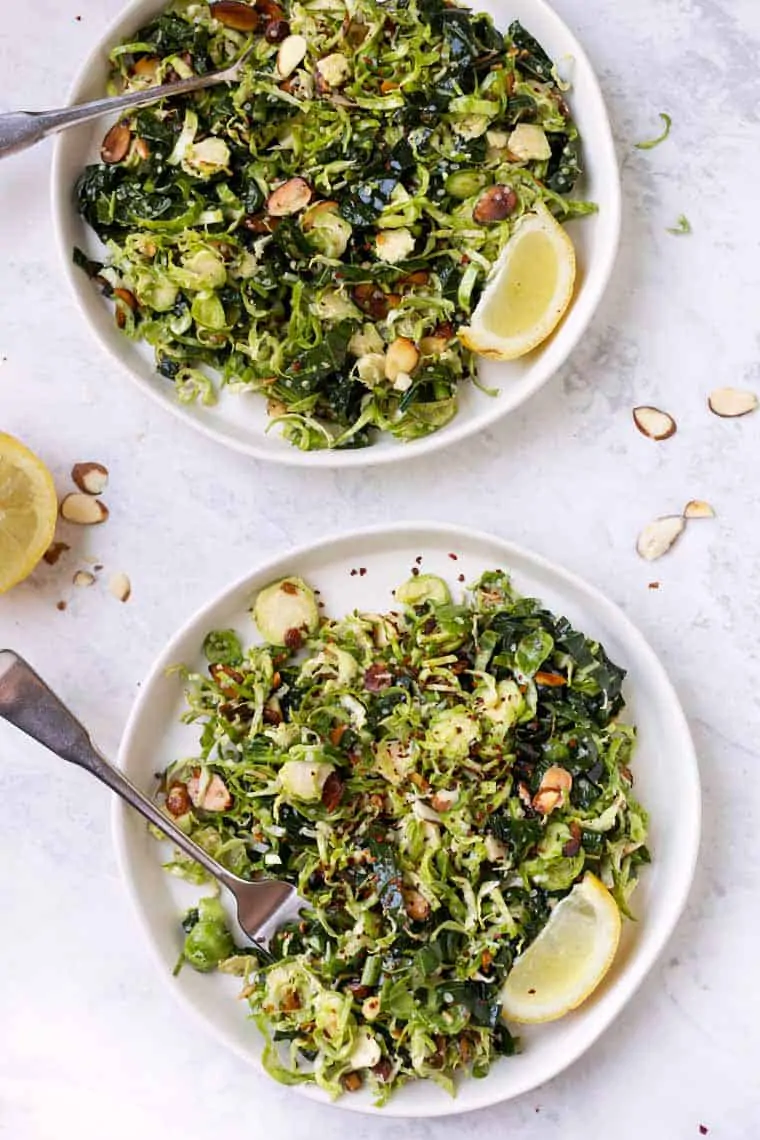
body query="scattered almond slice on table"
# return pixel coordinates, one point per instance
(120, 586)
(654, 423)
(83, 510)
(698, 509)
(657, 537)
(731, 402)
(91, 478)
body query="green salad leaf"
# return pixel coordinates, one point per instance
(390, 766)
(282, 235)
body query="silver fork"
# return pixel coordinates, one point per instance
(21, 129)
(28, 703)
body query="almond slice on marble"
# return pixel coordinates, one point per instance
(120, 586)
(698, 509)
(92, 478)
(84, 510)
(291, 53)
(731, 402)
(83, 578)
(657, 537)
(653, 422)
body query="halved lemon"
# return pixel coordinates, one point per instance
(28, 510)
(568, 960)
(528, 291)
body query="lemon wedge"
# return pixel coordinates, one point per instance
(568, 959)
(28, 510)
(528, 291)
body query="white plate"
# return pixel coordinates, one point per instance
(664, 760)
(240, 421)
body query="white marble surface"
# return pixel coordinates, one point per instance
(91, 1042)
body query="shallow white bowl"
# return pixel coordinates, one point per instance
(664, 760)
(240, 421)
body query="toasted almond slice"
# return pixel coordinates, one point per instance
(234, 14)
(84, 510)
(657, 537)
(83, 578)
(731, 402)
(92, 478)
(554, 788)
(116, 143)
(654, 423)
(289, 198)
(402, 356)
(698, 509)
(291, 53)
(120, 586)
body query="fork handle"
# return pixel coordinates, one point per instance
(21, 129)
(29, 704)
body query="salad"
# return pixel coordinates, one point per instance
(318, 232)
(433, 780)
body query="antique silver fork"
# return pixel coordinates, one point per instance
(29, 704)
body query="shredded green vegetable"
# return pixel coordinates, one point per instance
(682, 226)
(650, 144)
(396, 771)
(280, 235)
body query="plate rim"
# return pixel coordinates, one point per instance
(288, 455)
(637, 970)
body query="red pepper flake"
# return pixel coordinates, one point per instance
(415, 571)
(60, 606)
(460, 578)
(703, 1130)
(296, 366)
(654, 585)
(454, 557)
(354, 573)
(362, 571)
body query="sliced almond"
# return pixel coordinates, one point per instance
(402, 356)
(116, 144)
(54, 552)
(83, 578)
(657, 538)
(92, 478)
(120, 586)
(731, 402)
(84, 510)
(233, 14)
(494, 205)
(654, 423)
(553, 789)
(289, 198)
(291, 52)
(698, 509)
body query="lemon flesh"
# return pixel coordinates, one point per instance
(568, 959)
(528, 292)
(28, 510)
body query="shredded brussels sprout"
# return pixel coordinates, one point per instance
(318, 232)
(433, 780)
